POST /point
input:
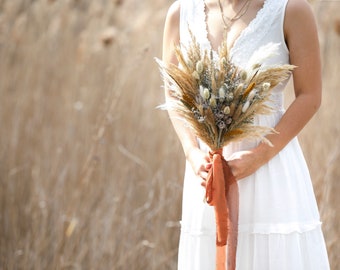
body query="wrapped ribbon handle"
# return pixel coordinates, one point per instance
(222, 194)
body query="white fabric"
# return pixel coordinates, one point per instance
(279, 224)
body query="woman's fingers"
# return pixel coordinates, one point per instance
(204, 175)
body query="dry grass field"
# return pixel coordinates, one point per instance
(90, 172)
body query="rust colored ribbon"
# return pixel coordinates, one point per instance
(222, 193)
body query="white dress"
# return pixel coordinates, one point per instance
(279, 223)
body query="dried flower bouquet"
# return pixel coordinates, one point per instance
(218, 99)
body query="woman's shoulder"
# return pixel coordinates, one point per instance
(173, 17)
(298, 10)
(299, 16)
(171, 28)
(174, 10)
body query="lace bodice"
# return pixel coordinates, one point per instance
(265, 28)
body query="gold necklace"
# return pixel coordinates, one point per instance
(237, 16)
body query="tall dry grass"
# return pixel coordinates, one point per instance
(90, 172)
(86, 179)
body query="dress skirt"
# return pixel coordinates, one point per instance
(279, 224)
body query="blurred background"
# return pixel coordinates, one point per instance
(90, 171)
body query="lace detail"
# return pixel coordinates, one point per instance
(251, 26)
(243, 32)
(249, 39)
(266, 27)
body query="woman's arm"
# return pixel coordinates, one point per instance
(302, 41)
(198, 159)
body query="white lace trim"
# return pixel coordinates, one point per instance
(243, 32)
(253, 24)
(196, 18)
(250, 38)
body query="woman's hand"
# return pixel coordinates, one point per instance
(244, 163)
(200, 163)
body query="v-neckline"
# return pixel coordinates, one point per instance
(241, 34)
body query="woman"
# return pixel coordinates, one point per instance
(279, 225)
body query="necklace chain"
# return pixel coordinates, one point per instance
(237, 16)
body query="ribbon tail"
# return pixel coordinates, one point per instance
(232, 197)
(216, 196)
